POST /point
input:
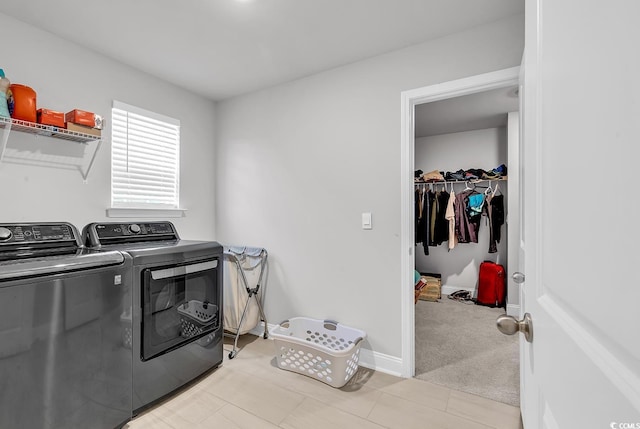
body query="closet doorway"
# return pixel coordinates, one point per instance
(460, 127)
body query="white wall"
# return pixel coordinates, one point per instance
(485, 149)
(66, 76)
(298, 163)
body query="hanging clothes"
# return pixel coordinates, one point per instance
(466, 226)
(475, 203)
(494, 209)
(450, 216)
(431, 225)
(429, 212)
(488, 209)
(417, 214)
(441, 224)
(497, 216)
(462, 221)
(432, 218)
(423, 226)
(446, 216)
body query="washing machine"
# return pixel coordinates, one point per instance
(176, 318)
(63, 361)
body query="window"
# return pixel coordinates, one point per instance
(145, 149)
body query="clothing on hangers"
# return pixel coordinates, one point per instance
(432, 218)
(497, 216)
(441, 224)
(455, 217)
(424, 220)
(475, 203)
(466, 228)
(417, 213)
(493, 248)
(450, 216)
(494, 208)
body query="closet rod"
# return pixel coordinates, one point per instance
(442, 182)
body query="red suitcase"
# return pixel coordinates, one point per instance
(491, 285)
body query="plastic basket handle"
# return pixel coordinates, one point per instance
(330, 324)
(285, 323)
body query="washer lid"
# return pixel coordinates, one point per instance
(50, 265)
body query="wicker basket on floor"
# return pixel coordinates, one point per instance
(432, 291)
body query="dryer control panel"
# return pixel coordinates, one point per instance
(97, 234)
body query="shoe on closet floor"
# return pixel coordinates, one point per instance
(463, 296)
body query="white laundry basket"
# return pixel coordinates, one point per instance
(321, 349)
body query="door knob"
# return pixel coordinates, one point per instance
(518, 277)
(509, 325)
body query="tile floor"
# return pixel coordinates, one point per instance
(251, 392)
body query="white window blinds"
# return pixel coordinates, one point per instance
(145, 149)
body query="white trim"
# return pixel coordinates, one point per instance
(258, 330)
(409, 99)
(146, 213)
(407, 258)
(381, 362)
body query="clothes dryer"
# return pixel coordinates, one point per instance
(177, 333)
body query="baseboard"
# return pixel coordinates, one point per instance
(259, 329)
(369, 359)
(381, 362)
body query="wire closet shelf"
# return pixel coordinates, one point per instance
(45, 130)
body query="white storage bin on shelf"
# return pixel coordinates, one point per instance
(321, 349)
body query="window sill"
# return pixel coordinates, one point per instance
(146, 213)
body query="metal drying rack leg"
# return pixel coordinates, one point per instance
(252, 292)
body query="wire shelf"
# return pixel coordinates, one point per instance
(8, 125)
(470, 181)
(46, 130)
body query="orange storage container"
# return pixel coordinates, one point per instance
(51, 117)
(24, 103)
(81, 117)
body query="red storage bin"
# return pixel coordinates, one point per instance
(50, 117)
(81, 117)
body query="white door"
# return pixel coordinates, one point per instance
(581, 202)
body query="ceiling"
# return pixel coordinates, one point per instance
(478, 111)
(224, 48)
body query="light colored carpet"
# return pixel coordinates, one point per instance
(459, 346)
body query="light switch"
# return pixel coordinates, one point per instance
(366, 220)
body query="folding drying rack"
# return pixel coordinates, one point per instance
(237, 255)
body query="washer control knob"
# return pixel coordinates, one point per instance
(134, 228)
(5, 234)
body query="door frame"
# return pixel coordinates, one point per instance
(409, 99)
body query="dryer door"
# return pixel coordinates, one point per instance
(179, 305)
